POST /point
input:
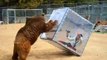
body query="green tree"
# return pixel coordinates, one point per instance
(29, 3)
(1, 2)
(80, 1)
(8, 2)
(58, 1)
(87, 1)
(4, 2)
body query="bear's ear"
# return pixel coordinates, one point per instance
(50, 21)
(56, 22)
(99, 21)
(27, 20)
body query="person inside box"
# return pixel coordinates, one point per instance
(73, 40)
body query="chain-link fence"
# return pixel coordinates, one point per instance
(19, 15)
(92, 10)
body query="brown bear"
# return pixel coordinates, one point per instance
(28, 34)
(100, 23)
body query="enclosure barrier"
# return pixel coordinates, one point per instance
(93, 10)
(18, 15)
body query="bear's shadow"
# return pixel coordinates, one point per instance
(41, 55)
(49, 55)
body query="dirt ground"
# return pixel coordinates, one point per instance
(96, 48)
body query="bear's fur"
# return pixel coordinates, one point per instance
(100, 23)
(28, 34)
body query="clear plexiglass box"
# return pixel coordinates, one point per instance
(71, 33)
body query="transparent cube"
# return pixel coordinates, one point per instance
(72, 31)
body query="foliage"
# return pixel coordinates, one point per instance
(1, 2)
(36, 3)
(58, 1)
(21, 3)
(8, 2)
(29, 3)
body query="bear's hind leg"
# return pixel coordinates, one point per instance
(15, 54)
(24, 50)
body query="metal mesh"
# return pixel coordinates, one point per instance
(91, 11)
(19, 15)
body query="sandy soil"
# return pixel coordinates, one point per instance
(96, 48)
